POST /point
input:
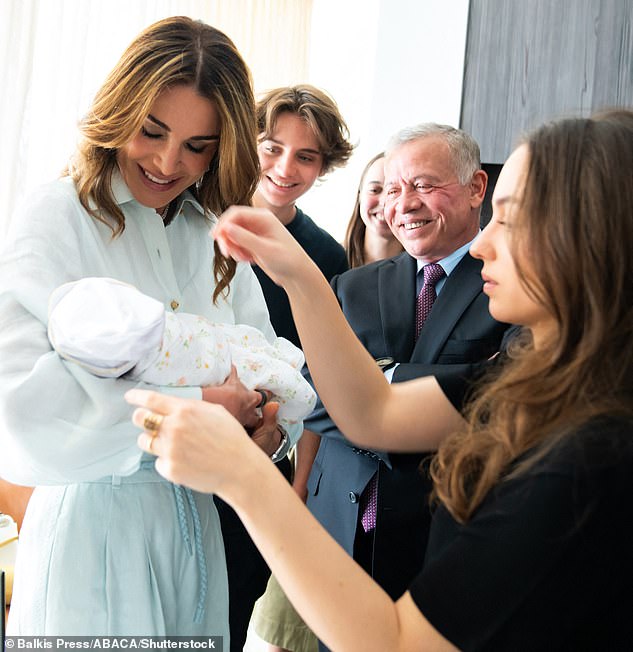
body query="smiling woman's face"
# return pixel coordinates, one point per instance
(509, 300)
(173, 149)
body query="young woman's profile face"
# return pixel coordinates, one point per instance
(290, 159)
(509, 301)
(173, 149)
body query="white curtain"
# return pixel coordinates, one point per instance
(54, 54)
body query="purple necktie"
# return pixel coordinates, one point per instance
(424, 302)
(432, 274)
(368, 504)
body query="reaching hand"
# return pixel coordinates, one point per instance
(255, 235)
(198, 444)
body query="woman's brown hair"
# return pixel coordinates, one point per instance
(173, 51)
(574, 225)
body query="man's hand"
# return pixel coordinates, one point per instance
(266, 435)
(236, 398)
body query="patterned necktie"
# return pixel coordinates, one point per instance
(432, 274)
(424, 302)
(369, 503)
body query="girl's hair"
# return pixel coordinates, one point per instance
(574, 227)
(316, 108)
(355, 234)
(174, 51)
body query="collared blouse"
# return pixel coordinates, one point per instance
(60, 424)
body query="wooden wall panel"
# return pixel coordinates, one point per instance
(528, 61)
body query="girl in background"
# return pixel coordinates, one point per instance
(368, 237)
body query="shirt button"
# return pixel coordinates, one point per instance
(353, 498)
(174, 305)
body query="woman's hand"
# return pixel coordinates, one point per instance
(198, 444)
(241, 402)
(255, 235)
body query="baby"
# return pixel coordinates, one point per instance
(112, 329)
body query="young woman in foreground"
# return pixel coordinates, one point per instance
(530, 547)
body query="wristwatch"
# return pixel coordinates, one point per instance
(385, 363)
(281, 451)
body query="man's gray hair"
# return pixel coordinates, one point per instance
(462, 146)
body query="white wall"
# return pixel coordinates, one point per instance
(388, 64)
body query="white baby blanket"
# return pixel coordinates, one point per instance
(111, 328)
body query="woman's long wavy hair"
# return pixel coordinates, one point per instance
(355, 233)
(572, 240)
(174, 51)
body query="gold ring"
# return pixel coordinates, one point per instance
(152, 422)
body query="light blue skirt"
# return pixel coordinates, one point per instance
(131, 555)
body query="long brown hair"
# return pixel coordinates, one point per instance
(575, 226)
(173, 51)
(355, 233)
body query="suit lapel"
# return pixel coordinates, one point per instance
(396, 295)
(462, 286)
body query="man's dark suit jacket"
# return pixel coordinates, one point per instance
(379, 303)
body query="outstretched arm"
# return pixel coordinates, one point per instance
(408, 416)
(203, 446)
